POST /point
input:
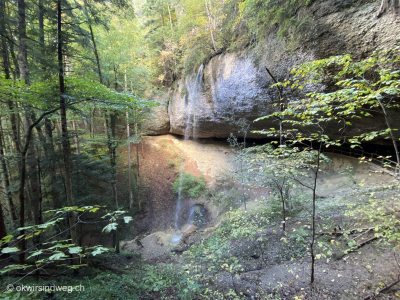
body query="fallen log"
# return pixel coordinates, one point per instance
(383, 289)
(352, 249)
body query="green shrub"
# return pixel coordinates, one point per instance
(190, 185)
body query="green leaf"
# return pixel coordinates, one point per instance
(75, 250)
(10, 250)
(57, 256)
(6, 239)
(99, 250)
(35, 253)
(110, 227)
(127, 219)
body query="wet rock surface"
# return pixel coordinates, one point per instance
(236, 86)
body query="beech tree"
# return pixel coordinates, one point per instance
(368, 85)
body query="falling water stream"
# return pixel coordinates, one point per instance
(190, 130)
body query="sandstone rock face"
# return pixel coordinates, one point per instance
(158, 122)
(236, 86)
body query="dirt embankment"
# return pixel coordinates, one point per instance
(160, 161)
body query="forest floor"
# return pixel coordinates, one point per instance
(282, 271)
(277, 268)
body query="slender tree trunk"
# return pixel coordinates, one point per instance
(6, 62)
(21, 193)
(76, 138)
(32, 173)
(392, 137)
(14, 127)
(41, 23)
(92, 116)
(208, 9)
(96, 54)
(48, 147)
(6, 67)
(3, 231)
(170, 20)
(6, 180)
(128, 135)
(40, 210)
(4, 48)
(137, 175)
(129, 162)
(10, 42)
(113, 147)
(51, 157)
(41, 11)
(314, 198)
(162, 18)
(24, 75)
(138, 170)
(283, 210)
(110, 128)
(281, 105)
(110, 119)
(22, 48)
(64, 129)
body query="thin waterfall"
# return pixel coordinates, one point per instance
(191, 215)
(190, 130)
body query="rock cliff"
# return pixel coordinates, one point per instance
(236, 86)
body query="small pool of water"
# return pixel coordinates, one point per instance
(176, 238)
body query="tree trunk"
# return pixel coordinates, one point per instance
(96, 54)
(314, 198)
(51, 157)
(138, 170)
(11, 43)
(392, 137)
(76, 138)
(6, 66)
(32, 172)
(64, 129)
(48, 147)
(110, 119)
(208, 9)
(128, 135)
(162, 18)
(92, 116)
(170, 20)
(3, 231)
(4, 48)
(23, 70)
(281, 105)
(129, 162)
(41, 23)
(283, 209)
(6, 180)
(22, 48)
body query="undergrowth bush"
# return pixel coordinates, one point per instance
(189, 185)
